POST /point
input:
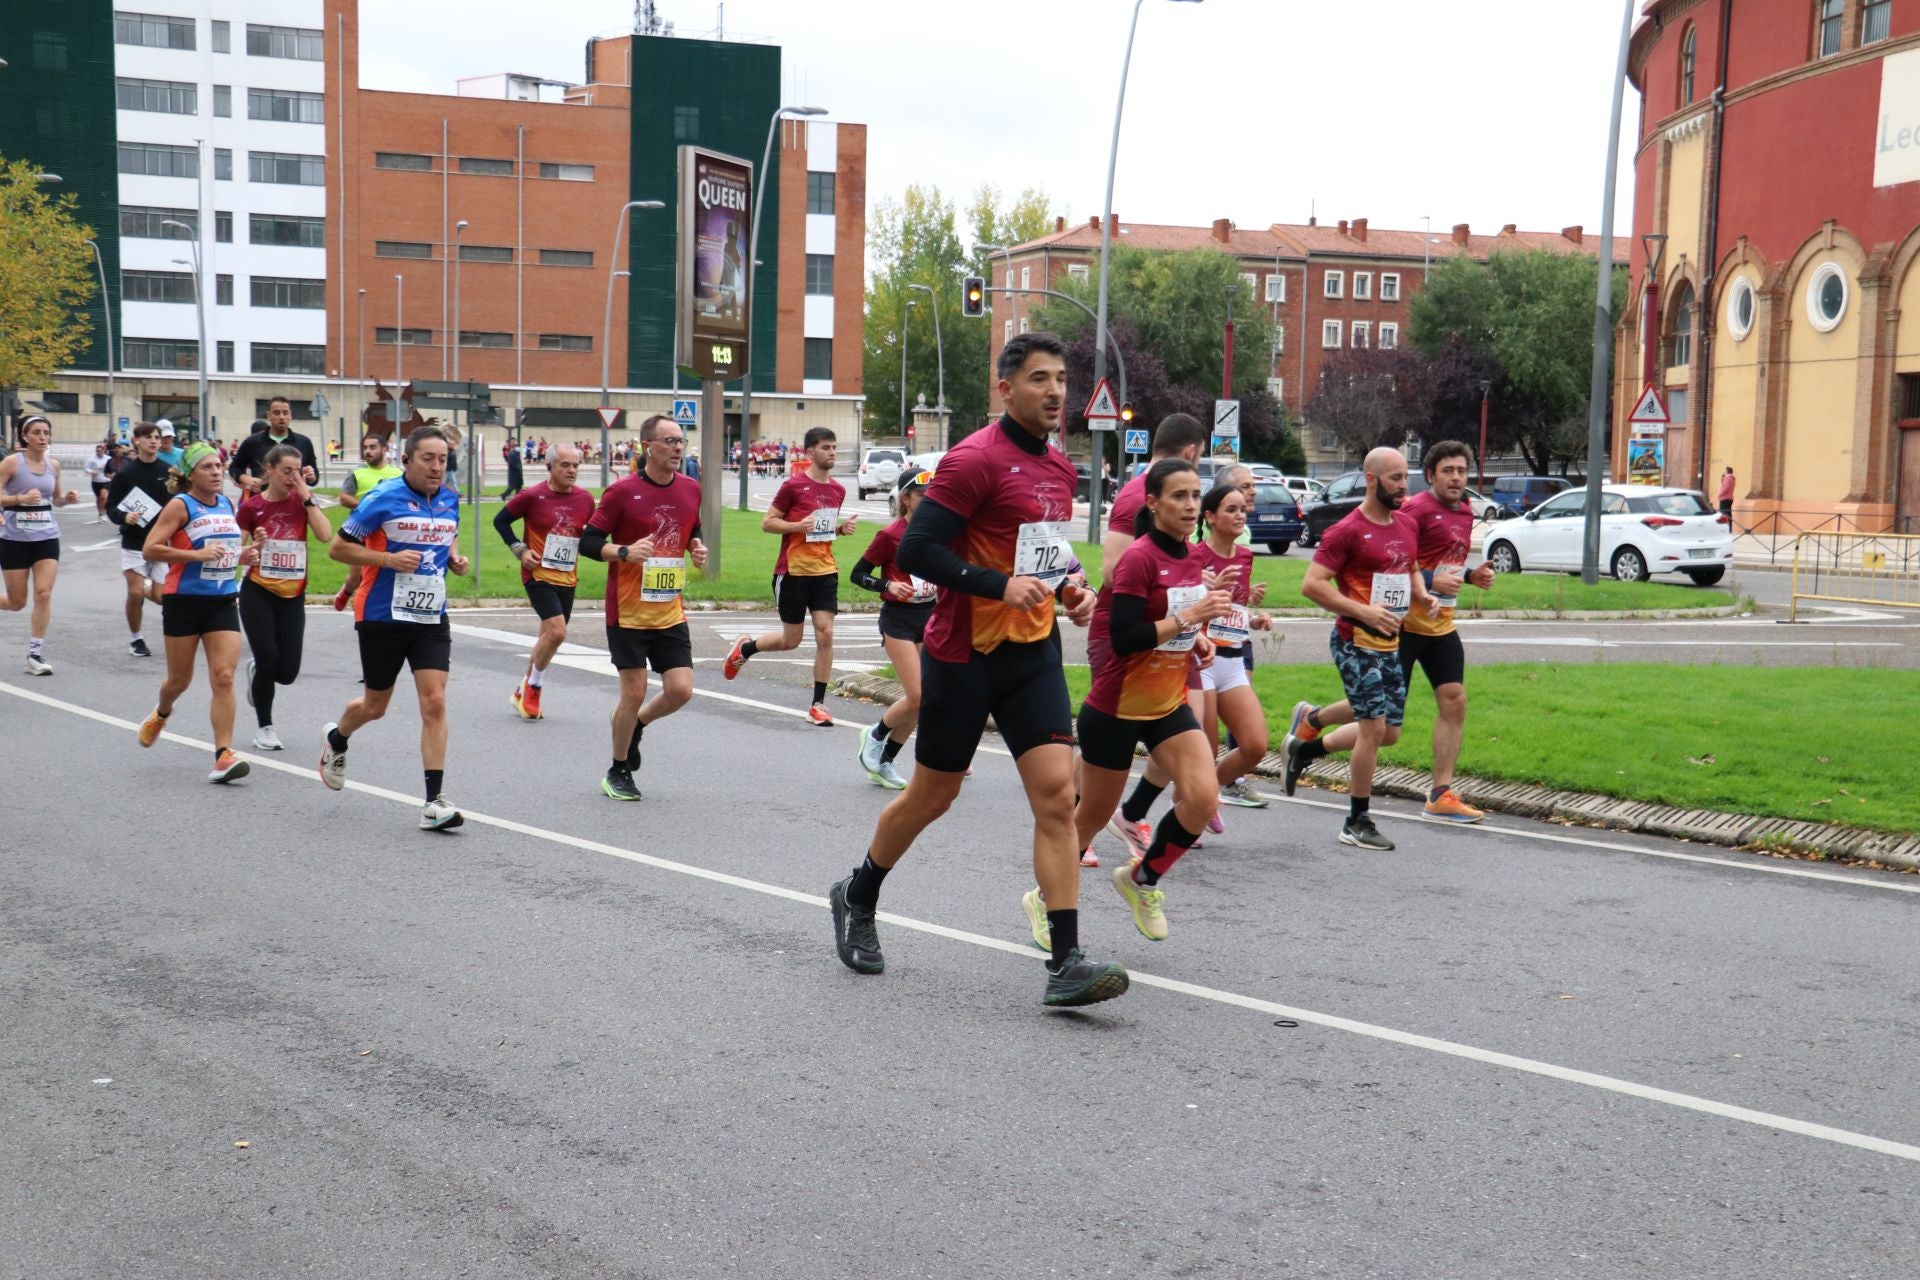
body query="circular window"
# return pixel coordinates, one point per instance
(1827, 297)
(1740, 305)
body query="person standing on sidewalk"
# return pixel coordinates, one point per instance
(1726, 493)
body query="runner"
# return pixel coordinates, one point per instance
(136, 496)
(98, 463)
(374, 468)
(1227, 685)
(992, 532)
(1363, 574)
(407, 533)
(170, 452)
(805, 512)
(273, 598)
(1429, 640)
(197, 538)
(29, 537)
(249, 463)
(1150, 615)
(906, 603)
(556, 513)
(646, 529)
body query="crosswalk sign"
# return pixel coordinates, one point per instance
(686, 412)
(1137, 440)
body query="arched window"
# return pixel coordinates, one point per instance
(1681, 351)
(1686, 65)
(1829, 14)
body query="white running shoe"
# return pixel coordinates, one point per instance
(37, 666)
(869, 752)
(889, 777)
(438, 814)
(267, 740)
(1135, 835)
(333, 764)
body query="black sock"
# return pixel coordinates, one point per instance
(1313, 718)
(891, 751)
(1170, 840)
(1311, 751)
(819, 690)
(880, 731)
(619, 764)
(864, 889)
(1064, 926)
(748, 649)
(435, 779)
(1357, 807)
(1434, 793)
(217, 751)
(337, 740)
(1144, 794)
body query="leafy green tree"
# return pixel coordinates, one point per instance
(46, 279)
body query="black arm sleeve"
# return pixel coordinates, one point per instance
(592, 541)
(1128, 626)
(862, 575)
(503, 525)
(924, 553)
(117, 491)
(308, 458)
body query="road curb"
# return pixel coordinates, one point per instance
(1525, 800)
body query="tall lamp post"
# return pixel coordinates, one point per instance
(360, 346)
(473, 462)
(399, 347)
(1603, 317)
(1485, 387)
(906, 316)
(606, 352)
(939, 349)
(200, 316)
(753, 264)
(106, 310)
(1106, 252)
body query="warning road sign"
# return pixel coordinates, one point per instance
(1649, 416)
(609, 416)
(1103, 404)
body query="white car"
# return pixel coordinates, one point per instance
(1303, 489)
(1643, 531)
(879, 470)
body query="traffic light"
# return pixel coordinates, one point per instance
(1126, 413)
(973, 296)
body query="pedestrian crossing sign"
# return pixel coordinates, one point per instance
(1136, 440)
(686, 412)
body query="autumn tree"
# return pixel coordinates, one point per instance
(46, 280)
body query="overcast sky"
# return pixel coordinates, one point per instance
(1477, 111)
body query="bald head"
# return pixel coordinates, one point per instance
(1386, 471)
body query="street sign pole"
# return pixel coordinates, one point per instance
(713, 437)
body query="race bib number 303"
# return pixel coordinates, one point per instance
(1231, 628)
(1179, 598)
(1042, 551)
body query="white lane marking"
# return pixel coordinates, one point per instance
(1333, 1022)
(1590, 642)
(99, 546)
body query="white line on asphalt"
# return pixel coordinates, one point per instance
(1589, 642)
(99, 546)
(1333, 1022)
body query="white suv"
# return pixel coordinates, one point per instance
(879, 470)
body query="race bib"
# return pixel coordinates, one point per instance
(1041, 550)
(283, 559)
(139, 506)
(560, 553)
(1446, 602)
(1179, 598)
(823, 525)
(923, 591)
(1231, 628)
(419, 597)
(33, 517)
(662, 578)
(221, 569)
(1394, 592)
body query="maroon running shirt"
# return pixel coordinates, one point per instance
(1148, 684)
(1371, 563)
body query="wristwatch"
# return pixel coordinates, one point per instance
(519, 548)
(622, 553)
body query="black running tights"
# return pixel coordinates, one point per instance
(276, 628)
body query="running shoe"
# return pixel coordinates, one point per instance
(150, 728)
(1216, 826)
(1135, 835)
(1037, 919)
(138, 649)
(1147, 902)
(252, 667)
(1241, 796)
(854, 936)
(1300, 727)
(333, 764)
(1088, 858)
(735, 659)
(267, 740)
(618, 784)
(38, 666)
(526, 700)
(343, 597)
(1451, 808)
(819, 714)
(1295, 766)
(1082, 981)
(228, 767)
(871, 753)
(890, 777)
(1361, 833)
(438, 814)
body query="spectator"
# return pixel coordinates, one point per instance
(248, 465)
(1726, 493)
(516, 479)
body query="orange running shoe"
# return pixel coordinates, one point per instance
(1302, 728)
(735, 660)
(1451, 808)
(819, 714)
(150, 728)
(526, 700)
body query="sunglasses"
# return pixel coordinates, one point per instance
(919, 481)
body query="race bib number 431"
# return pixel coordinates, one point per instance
(1042, 551)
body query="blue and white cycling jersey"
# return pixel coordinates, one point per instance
(396, 517)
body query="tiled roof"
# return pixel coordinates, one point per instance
(1147, 235)
(1297, 240)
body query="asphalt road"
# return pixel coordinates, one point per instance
(588, 1039)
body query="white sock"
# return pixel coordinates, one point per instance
(135, 638)
(536, 677)
(35, 645)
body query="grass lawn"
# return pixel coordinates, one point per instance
(1753, 740)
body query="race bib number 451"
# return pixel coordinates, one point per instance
(823, 525)
(1042, 551)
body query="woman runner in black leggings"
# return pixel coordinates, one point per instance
(273, 599)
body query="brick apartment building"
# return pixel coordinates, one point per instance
(1326, 287)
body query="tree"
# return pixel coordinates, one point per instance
(46, 279)
(1523, 321)
(1371, 397)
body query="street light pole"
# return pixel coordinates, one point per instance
(906, 315)
(360, 347)
(939, 348)
(1484, 388)
(606, 345)
(106, 310)
(200, 317)
(474, 463)
(1603, 319)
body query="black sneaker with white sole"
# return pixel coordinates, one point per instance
(1082, 981)
(854, 936)
(618, 784)
(1290, 771)
(138, 649)
(1361, 833)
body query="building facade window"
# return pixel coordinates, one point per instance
(1827, 297)
(1007, 332)
(409, 337)
(60, 401)
(153, 31)
(156, 286)
(223, 356)
(223, 291)
(223, 164)
(223, 226)
(289, 292)
(819, 192)
(138, 222)
(1390, 286)
(155, 160)
(1363, 286)
(567, 172)
(1677, 405)
(287, 357)
(486, 253)
(486, 165)
(820, 275)
(485, 338)
(286, 168)
(1830, 14)
(1680, 350)
(159, 353)
(566, 257)
(1740, 308)
(170, 97)
(402, 160)
(1252, 281)
(1389, 336)
(223, 100)
(99, 403)
(1078, 271)
(222, 43)
(1876, 21)
(1026, 325)
(1334, 285)
(302, 409)
(284, 104)
(1329, 334)
(402, 249)
(566, 342)
(1362, 334)
(819, 359)
(1688, 43)
(1276, 288)
(281, 229)
(1277, 388)
(1026, 277)
(285, 42)
(686, 124)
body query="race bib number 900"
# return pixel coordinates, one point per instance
(283, 559)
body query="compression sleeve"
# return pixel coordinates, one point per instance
(925, 554)
(116, 493)
(862, 575)
(592, 541)
(1128, 626)
(503, 525)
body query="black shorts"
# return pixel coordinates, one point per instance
(1021, 686)
(197, 615)
(101, 486)
(1107, 742)
(798, 597)
(905, 622)
(1443, 658)
(24, 555)
(385, 647)
(662, 648)
(548, 600)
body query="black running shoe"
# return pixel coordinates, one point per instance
(618, 784)
(1361, 833)
(1294, 767)
(1082, 981)
(854, 936)
(138, 649)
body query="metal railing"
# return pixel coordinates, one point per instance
(1774, 535)
(1880, 570)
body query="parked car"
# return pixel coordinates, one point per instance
(1305, 491)
(1275, 519)
(1347, 491)
(879, 470)
(1265, 471)
(1484, 508)
(1643, 532)
(1083, 482)
(1517, 495)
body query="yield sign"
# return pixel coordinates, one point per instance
(608, 416)
(1103, 404)
(1649, 408)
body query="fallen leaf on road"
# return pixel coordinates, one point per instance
(365, 1052)
(1566, 997)
(243, 1145)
